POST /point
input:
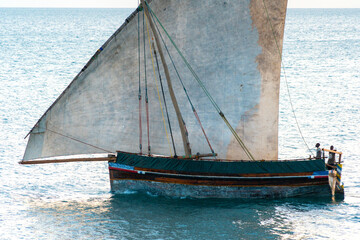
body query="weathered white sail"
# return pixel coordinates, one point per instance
(231, 46)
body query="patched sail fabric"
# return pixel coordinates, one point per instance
(234, 49)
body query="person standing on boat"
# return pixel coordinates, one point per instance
(318, 151)
(331, 160)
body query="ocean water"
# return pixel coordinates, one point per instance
(41, 50)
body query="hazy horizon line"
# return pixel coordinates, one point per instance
(136, 7)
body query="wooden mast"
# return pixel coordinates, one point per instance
(171, 91)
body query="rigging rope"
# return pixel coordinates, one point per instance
(77, 140)
(187, 95)
(139, 96)
(163, 94)
(157, 88)
(146, 90)
(241, 143)
(287, 85)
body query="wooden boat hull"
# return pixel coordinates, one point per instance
(204, 191)
(127, 177)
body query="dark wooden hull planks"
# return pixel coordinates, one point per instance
(205, 191)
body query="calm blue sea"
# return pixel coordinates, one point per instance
(41, 51)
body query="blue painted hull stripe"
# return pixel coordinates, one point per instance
(121, 167)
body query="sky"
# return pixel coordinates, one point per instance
(133, 3)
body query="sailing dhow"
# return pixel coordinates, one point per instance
(184, 97)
